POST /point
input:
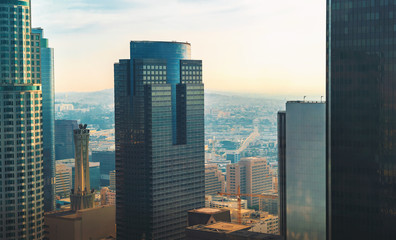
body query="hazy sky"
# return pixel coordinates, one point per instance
(258, 46)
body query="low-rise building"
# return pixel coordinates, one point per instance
(63, 181)
(107, 197)
(267, 224)
(226, 231)
(91, 223)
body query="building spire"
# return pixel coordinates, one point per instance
(82, 197)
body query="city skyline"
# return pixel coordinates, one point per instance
(263, 54)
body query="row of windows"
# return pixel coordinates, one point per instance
(14, 9)
(191, 67)
(154, 67)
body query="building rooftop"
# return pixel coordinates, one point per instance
(229, 231)
(208, 210)
(70, 214)
(227, 227)
(147, 41)
(308, 102)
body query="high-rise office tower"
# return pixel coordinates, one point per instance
(107, 164)
(64, 140)
(159, 121)
(361, 86)
(81, 197)
(21, 167)
(302, 170)
(252, 176)
(214, 180)
(47, 82)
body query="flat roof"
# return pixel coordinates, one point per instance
(208, 210)
(147, 41)
(227, 227)
(308, 102)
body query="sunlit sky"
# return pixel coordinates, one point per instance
(250, 46)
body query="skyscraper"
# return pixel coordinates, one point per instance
(64, 141)
(252, 176)
(21, 171)
(107, 164)
(48, 89)
(302, 170)
(159, 120)
(361, 114)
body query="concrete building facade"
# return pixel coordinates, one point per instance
(93, 223)
(214, 180)
(252, 176)
(63, 182)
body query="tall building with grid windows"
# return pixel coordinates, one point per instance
(21, 169)
(361, 115)
(159, 119)
(214, 180)
(302, 170)
(48, 88)
(251, 175)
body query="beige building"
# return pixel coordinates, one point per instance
(224, 202)
(113, 180)
(107, 197)
(214, 180)
(252, 176)
(87, 224)
(63, 182)
(268, 224)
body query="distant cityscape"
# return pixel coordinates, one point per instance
(229, 121)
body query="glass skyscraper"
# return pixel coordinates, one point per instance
(21, 165)
(361, 115)
(48, 89)
(302, 170)
(159, 115)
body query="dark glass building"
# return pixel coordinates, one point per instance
(107, 164)
(159, 120)
(48, 89)
(361, 114)
(64, 142)
(282, 171)
(302, 170)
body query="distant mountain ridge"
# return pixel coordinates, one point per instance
(103, 97)
(106, 97)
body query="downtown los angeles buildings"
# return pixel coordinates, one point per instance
(64, 142)
(302, 170)
(361, 115)
(21, 170)
(48, 89)
(159, 120)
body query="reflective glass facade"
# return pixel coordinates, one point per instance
(302, 170)
(48, 89)
(159, 115)
(21, 149)
(361, 92)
